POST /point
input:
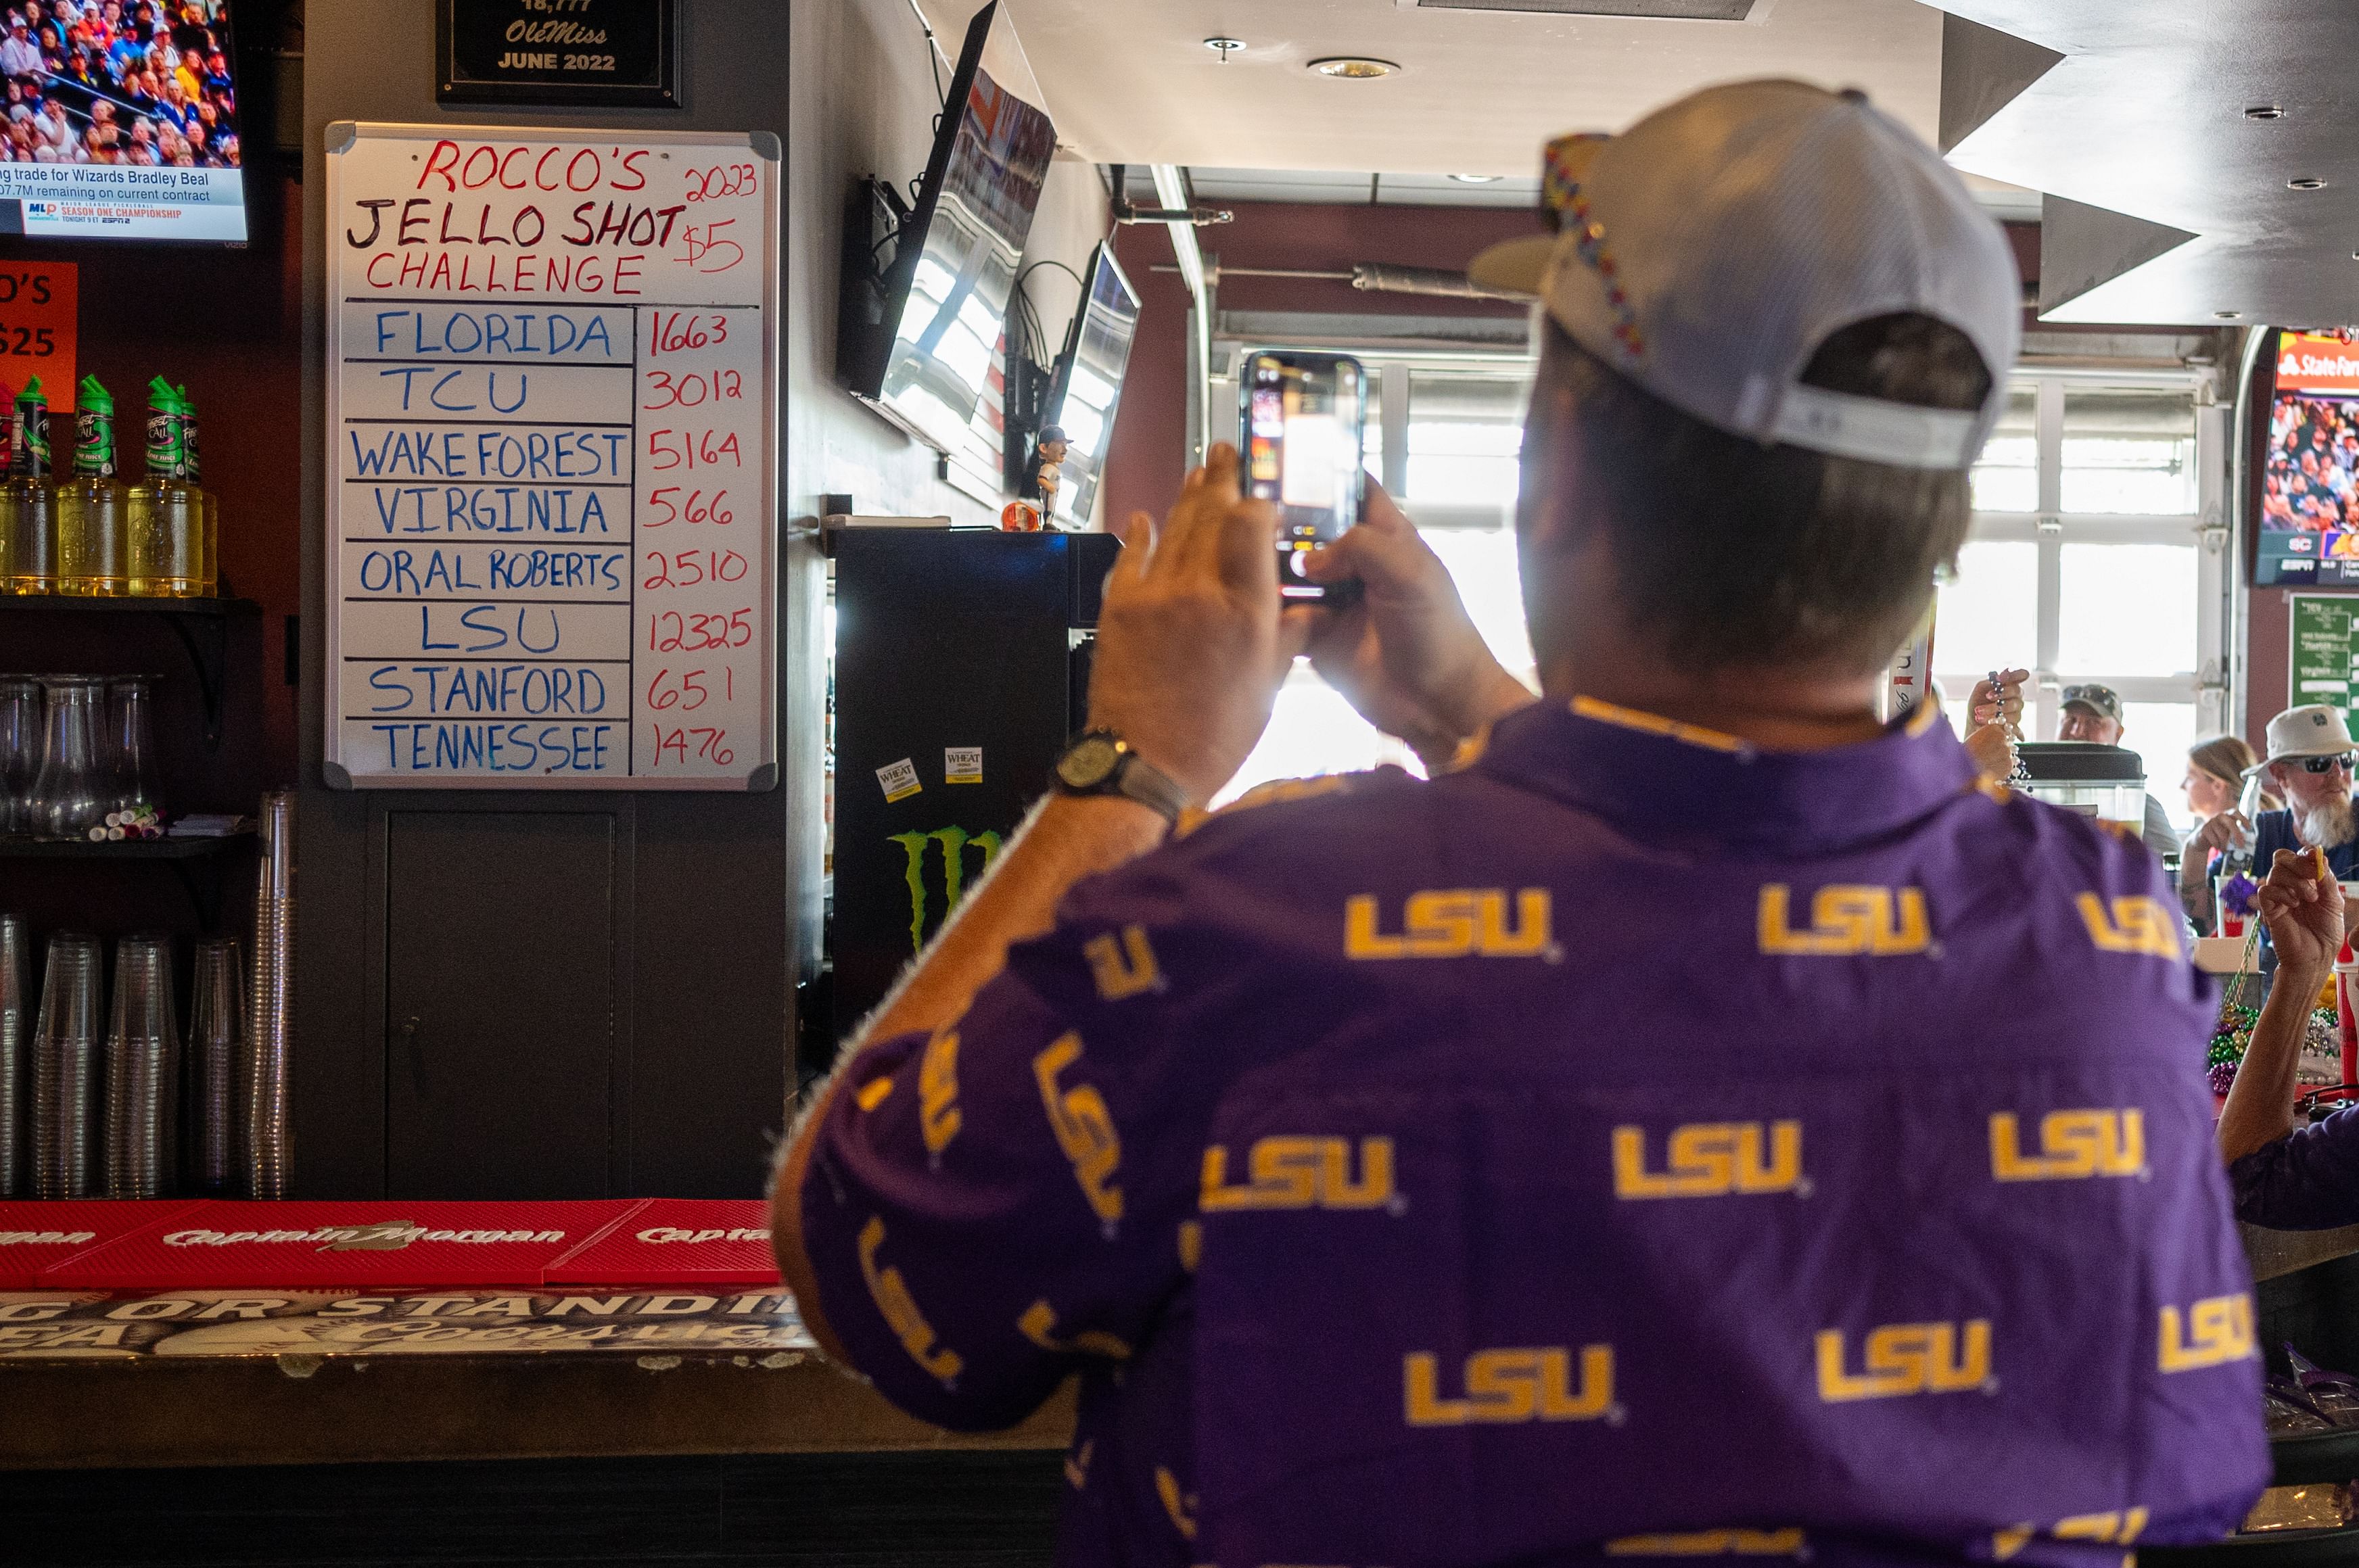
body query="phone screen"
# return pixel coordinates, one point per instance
(1304, 418)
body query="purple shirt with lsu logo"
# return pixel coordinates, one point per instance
(1635, 1144)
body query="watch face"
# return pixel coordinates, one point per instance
(1088, 762)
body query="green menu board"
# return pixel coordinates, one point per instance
(2325, 649)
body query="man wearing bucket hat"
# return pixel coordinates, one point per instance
(1632, 1141)
(2309, 761)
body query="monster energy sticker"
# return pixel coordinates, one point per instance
(954, 842)
(961, 764)
(899, 780)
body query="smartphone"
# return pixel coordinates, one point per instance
(1304, 422)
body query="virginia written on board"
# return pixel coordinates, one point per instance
(550, 501)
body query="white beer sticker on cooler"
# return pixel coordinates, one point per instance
(899, 780)
(961, 764)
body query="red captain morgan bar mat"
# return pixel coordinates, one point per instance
(706, 1243)
(35, 1237)
(389, 1246)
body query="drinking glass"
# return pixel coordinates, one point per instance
(16, 1054)
(71, 797)
(65, 1071)
(20, 750)
(216, 1025)
(142, 1056)
(130, 726)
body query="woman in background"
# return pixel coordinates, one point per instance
(2215, 773)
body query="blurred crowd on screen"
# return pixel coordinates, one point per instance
(117, 82)
(2313, 478)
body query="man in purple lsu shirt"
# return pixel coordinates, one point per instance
(1705, 1123)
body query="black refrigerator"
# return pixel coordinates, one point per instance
(962, 667)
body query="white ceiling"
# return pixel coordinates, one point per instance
(1131, 82)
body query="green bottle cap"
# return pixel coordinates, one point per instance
(94, 430)
(188, 433)
(29, 444)
(168, 445)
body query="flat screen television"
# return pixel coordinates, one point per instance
(1087, 387)
(916, 340)
(121, 121)
(2309, 483)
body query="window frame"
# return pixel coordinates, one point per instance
(2049, 528)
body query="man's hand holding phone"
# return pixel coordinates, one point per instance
(1405, 652)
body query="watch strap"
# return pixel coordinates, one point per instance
(1143, 782)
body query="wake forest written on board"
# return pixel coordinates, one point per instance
(552, 501)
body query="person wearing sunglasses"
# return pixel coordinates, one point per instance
(2309, 761)
(2093, 713)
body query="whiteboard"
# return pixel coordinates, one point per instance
(552, 477)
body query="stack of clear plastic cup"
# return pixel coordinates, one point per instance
(16, 1055)
(216, 1028)
(65, 1071)
(264, 1135)
(143, 1076)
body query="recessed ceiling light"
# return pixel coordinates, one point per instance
(2264, 112)
(1354, 68)
(2306, 182)
(1475, 179)
(1224, 46)
(2228, 315)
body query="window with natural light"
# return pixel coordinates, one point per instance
(2084, 562)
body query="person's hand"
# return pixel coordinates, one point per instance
(1993, 751)
(1404, 654)
(2216, 834)
(2002, 705)
(1192, 647)
(2302, 907)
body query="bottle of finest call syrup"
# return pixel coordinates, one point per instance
(28, 497)
(93, 531)
(167, 512)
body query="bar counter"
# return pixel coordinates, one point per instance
(172, 1333)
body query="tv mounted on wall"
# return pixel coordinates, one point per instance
(1087, 388)
(917, 331)
(2306, 498)
(120, 120)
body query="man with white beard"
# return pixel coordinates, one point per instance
(2308, 760)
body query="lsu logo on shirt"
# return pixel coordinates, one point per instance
(2073, 1144)
(1906, 1358)
(1711, 1543)
(1083, 1126)
(2216, 1331)
(2133, 924)
(938, 1114)
(1846, 920)
(1123, 967)
(1039, 1324)
(1503, 1386)
(1711, 1159)
(2121, 1528)
(1294, 1171)
(891, 1293)
(1453, 922)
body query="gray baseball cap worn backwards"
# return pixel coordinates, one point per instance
(1707, 253)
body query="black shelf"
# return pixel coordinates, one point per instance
(120, 604)
(201, 624)
(123, 849)
(196, 863)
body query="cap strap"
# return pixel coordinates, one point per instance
(1873, 429)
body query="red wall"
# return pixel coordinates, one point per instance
(1145, 460)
